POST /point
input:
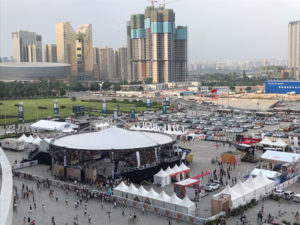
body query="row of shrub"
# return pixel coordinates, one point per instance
(213, 222)
(274, 197)
(239, 210)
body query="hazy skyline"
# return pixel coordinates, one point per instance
(217, 29)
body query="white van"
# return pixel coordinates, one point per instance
(296, 198)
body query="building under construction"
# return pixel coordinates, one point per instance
(157, 49)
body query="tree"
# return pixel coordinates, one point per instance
(148, 80)
(105, 85)
(117, 87)
(94, 87)
(73, 98)
(232, 88)
(248, 88)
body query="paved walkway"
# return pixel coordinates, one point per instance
(65, 214)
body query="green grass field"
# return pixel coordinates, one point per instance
(31, 111)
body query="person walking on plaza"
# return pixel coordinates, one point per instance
(43, 207)
(66, 201)
(90, 219)
(30, 209)
(297, 216)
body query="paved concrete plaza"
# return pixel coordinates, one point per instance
(65, 214)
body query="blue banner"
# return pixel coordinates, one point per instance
(164, 109)
(56, 109)
(148, 103)
(132, 112)
(21, 112)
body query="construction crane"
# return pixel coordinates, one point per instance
(152, 2)
(167, 2)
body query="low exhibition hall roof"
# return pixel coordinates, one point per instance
(112, 138)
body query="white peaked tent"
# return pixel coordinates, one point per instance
(170, 171)
(143, 193)
(184, 169)
(37, 140)
(236, 198)
(30, 139)
(23, 138)
(252, 184)
(132, 191)
(163, 200)
(177, 171)
(121, 190)
(268, 185)
(161, 178)
(175, 203)
(153, 195)
(280, 143)
(189, 205)
(244, 191)
(267, 141)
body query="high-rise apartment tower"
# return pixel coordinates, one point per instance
(50, 53)
(76, 48)
(294, 49)
(26, 46)
(156, 48)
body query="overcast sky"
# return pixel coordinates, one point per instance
(217, 29)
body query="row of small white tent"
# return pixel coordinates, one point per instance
(163, 177)
(253, 188)
(278, 143)
(30, 139)
(152, 197)
(167, 128)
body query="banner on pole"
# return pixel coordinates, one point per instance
(21, 112)
(56, 109)
(104, 108)
(138, 159)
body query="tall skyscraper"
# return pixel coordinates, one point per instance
(50, 53)
(26, 46)
(157, 49)
(294, 49)
(107, 64)
(76, 48)
(122, 71)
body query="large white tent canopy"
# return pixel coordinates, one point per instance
(278, 156)
(52, 125)
(267, 173)
(113, 138)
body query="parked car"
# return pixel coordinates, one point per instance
(211, 186)
(289, 195)
(279, 193)
(296, 198)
